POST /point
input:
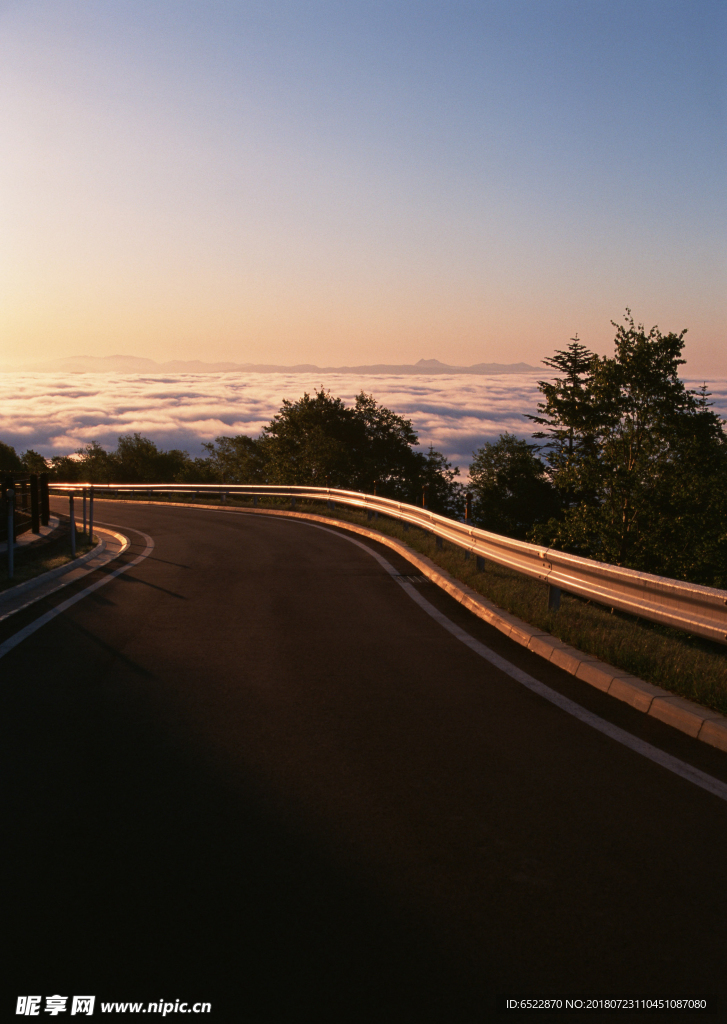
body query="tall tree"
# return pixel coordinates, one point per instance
(34, 462)
(93, 465)
(236, 460)
(389, 460)
(444, 493)
(568, 414)
(652, 451)
(317, 440)
(139, 460)
(9, 459)
(510, 486)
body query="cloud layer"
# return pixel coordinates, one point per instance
(456, 413)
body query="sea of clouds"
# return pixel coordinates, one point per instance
(456, 413)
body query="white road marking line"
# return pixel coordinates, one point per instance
(43, 587)
(22, 634)
(660, 757)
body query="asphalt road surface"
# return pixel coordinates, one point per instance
(253, 770)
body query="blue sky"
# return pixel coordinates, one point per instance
(357, 182)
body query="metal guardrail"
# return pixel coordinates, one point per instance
(686, 606)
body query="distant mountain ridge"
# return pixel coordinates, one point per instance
(138, 364)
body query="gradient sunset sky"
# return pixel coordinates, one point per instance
(355, 182)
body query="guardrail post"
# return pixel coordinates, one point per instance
(44, 499)
(10, 495)
(34, 504)
(479, 563)
(292, 502)
(254, 501)
(439, 542)
(553, 598)
(90, 513)
(72, 517)
(84, 509)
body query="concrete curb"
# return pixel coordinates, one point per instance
(17, 599)
(686, 716)
(27, 541)
(37, 581)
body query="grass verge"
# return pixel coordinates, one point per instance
(686, 665)
(35, 561)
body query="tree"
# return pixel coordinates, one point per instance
(65, 469)
(568, 415)
(236, 460)
(95, 465)
(646, 487)
(317, 441)
(510, 486)
(444, 493)
(388, 459)
(9, 460)
(34, 462)
(138, 460)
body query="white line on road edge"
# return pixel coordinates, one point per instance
(22, 634)
(660, 757)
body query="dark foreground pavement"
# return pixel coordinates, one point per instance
(251, 770)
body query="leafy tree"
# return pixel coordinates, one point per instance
(138, 460)
(444, 493)
(646, 487)
(199, 471)
(317, 441)
(510, 487)
(65, 469)
(95, 465)
(235, 460)
(34, 462)
(9, 460)
(568, 414)
(388, 458)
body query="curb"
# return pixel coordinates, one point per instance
(696, 721)
(38, 581)
(28, 541)
(40, 587)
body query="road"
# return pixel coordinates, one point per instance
(253, 770)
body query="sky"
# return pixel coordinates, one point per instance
(354, 181)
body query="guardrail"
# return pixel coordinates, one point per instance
(686, 606)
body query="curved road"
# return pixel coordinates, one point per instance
(253, 770)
